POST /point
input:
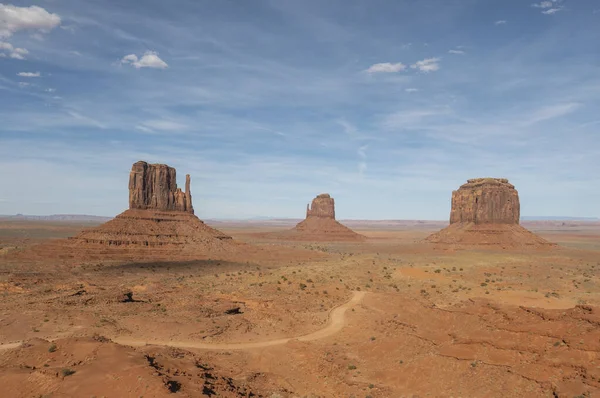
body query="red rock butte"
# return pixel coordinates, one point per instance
(160, 225)
(486, 211)
(154, 186)
(159, 214)
(320, 224)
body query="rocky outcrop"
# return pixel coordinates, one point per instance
(486, 212)
(485, 201)
(160, 219)
(320, 224)
(154, 186)
(323, 206)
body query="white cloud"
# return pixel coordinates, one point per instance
(427, 65)
(551, 11)
(7, 50)
(549, 6)
(543, 4)
(24, 84)
(460, 52)
(14, 19)
(50, 90)
(500, 22)
(386, 67)
(150, 59)
(19, 53)
(29, 74)
(411, 90)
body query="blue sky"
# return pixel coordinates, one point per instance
(387, 105)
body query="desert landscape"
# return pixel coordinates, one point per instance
(157, 303)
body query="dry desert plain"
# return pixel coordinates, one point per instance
(386, 317)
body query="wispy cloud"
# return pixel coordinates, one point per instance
(150, 59)
(86, 120)
(427, 65)
(362, 164)
(162, 125)
(501, 22)
(408, 119)
(8, 50)
(552, 112)
(458, 52)
(386, 67)
(29, 74)
(411, 90)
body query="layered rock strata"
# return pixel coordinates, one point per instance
(486, 201)
(154, 186)
(486, 212)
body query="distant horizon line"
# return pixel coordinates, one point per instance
(266, 218)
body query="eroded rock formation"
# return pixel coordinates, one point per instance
(320, 224)
(486, 212)
(323, 206)
(160, 219)
(154, 186)
(485, 201)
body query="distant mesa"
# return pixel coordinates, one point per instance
(486, 211)
(320, 224)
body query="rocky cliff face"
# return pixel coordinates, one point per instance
(485, 201)
(154, 186)
(323, 206)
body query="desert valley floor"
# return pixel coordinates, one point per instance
(385, 317)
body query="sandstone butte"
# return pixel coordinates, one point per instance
(159, 214)
(486, 211)
(160, 225)
(320, 224)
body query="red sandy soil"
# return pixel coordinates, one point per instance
(387, 317)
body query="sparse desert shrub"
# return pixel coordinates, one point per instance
(351, 367)
(67, 372)
(52, 348)
(437, 271)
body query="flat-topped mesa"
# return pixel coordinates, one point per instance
(323, 206)
(486, 201)
(154, 186)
